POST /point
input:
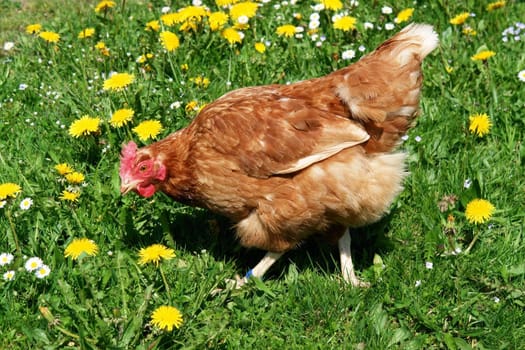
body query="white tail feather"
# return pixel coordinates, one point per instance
(423, 35)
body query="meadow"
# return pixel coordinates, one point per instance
(84, 267)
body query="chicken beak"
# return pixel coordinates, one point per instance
(125, 187)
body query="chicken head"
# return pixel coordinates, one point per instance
(139, 171)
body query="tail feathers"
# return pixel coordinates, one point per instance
(382, 90)
(417, 38)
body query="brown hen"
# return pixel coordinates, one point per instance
(285, 162)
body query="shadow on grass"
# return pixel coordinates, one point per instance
(204, 230)
(193, 230)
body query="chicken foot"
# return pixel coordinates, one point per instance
(258, 271)
(347, 266)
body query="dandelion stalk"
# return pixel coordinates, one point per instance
(13, 231)
(53, 322)
(166, 285)
(122, 288)
(471, 244)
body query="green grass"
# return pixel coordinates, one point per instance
(467, 300)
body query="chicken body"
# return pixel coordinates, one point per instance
(285, 162)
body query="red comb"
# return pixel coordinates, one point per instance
(127, 156)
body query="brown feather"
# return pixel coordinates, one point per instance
(285, 162)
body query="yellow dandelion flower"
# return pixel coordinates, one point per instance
(332, 4)
(86, 33)
(191, 106)
(121, 117)
(75, 178)
(166, 317)
(345, 23)
(201, 107)
(460, 19)
(153, 26)
(231, 35)
(189, 25)
(79, 247)
(148, 129)
(225, 3)
(217, 20)
(50, 37)
(144, 58)
(260, 47)
(104, 5)
(69, 196)
(101, 46)
(33, 28)
(468, 31)
(170, 19)
(479, 211)
(195, 13)
(496, 5)
(118, 81)
(9, 189)
(287, 30)
(154, 253)
(169, 40)
(241, 26)
(84, 126)
(404, 15)
(483, 55)
(479, 124)
(184, 67)
(201, 81)
(449, 69)
(246, 8)
(63, 168)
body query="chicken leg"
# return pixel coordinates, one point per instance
(259, 270)
(347, 266)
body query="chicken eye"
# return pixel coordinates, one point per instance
(143, 168)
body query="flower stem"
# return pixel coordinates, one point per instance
(122, 288)
(13, 231)
(165, 281)
(474, 239)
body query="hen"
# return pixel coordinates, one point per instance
(285, 162)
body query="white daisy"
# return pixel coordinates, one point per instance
(386, 10)
(8, 45)
(243, 19)
(389, 26)
(315, 16)
(9, 275)
(429, 265)
(26, 203)
(314, 24)
(33, 264)
(5, 259)
(348, 54)
(521, 75)
(43, 271)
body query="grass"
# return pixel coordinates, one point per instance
(466, 300)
